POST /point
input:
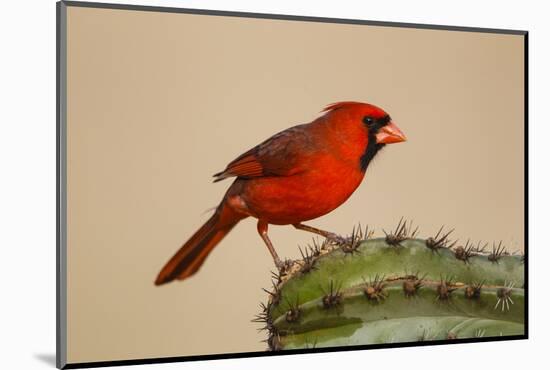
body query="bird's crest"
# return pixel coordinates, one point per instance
(339, 105)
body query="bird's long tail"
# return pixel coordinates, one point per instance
(189, 258)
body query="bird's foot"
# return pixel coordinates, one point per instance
(338, 239)
(283, 266)
(349, 244)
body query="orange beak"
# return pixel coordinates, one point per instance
(390, 134)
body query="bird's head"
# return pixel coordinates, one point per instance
(363, 129)
(374, 121)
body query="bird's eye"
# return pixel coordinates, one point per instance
(368, 120)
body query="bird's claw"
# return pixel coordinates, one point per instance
(338, 240)
(283, 266)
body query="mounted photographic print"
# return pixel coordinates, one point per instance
(235, 184)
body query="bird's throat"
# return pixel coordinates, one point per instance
(370, 151)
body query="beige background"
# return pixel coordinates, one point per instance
(158, 102)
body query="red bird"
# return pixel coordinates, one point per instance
(299, 174)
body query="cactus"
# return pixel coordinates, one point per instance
(394, 289)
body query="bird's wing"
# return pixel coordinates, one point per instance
(282, 154)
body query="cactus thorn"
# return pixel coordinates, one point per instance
(436, 242)
(308, 261)
(275, 294)
(264, 318)
(473, 291)
(315, 248)
(333, 297)
(504, 297)
(480, 249)
(412, 284)
(463, 253)
(287, 265)
(401, 233)
(445, 288)
(293, 312)
(353, 242)
(274, 342)
(497, 252)
(374, 289)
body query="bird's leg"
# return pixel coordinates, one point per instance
(262, 230)
(327, 234)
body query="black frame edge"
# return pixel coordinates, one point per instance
(526, 176)
(227, 13)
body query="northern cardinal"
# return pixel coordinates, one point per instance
(299, 174)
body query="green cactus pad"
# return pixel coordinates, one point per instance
(405, 291)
